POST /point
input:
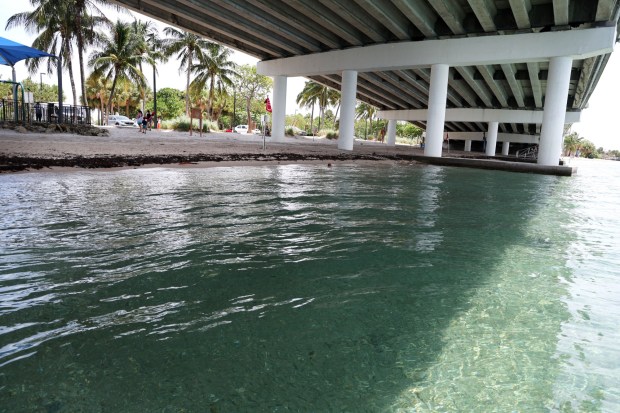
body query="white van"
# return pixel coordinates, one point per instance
(241, 128)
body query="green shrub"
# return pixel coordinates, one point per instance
(329, 134)
(290, 132)
(408, 140)
(181, 124)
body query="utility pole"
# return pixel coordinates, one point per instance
(154, 98)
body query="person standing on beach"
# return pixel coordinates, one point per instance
(38, 111)
(139, 119)
(144, 123)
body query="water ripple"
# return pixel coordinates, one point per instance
(347, 289)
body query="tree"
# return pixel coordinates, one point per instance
(41, 92)
(572, 143)
(59, 23)
(150, 46)
(588, 149)
(55, 31)
(189, 47)
(169, 103)
(297, 120)
(333, 99)
(316, 93)
(614, 153)
(215, 67)
(157, 54)
(409, 130)
(128, 95)
(98, 91)
(85, 31)
(119, 58)
(252, 86)
(228, 105)
(6, 91)
(365, 111)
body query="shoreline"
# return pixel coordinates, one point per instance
(110, 164)
(126, 148)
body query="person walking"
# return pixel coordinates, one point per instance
(149, 120)
(139, 119)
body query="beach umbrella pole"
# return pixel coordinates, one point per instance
(16, 110)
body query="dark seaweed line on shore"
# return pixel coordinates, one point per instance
(19, 163)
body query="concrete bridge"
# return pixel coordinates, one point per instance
(513, 70)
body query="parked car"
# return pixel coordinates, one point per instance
(297, 131)
(120, 120)
(241, 128)
(228, 130)
(257, 131)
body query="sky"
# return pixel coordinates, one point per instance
(598, 121)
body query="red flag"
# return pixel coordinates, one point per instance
(267, 105)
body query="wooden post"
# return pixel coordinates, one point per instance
(195, 113)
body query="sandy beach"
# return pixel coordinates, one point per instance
(126, 147)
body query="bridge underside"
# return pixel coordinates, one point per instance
(278, 32)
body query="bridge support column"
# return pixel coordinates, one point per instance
(491, 138)
(468, 145)
(279, 108)
(391, 133)
(438, 93)
(347, 110)
(505, 148)
(550, 147)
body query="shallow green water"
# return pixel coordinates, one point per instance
(305, 288)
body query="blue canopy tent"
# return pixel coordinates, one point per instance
(12, 52)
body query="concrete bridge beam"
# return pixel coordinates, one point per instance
(279, 108)
(551, 134)
(491, 138)
(438, 93)
(391, 133)
(347, 110)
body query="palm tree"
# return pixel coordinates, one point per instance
(333, 99)
(85, 25)
(322, 95)
(59, 23)
(156, 53)
(146, 33)
(128, 94)
(120, 58)
(189, 47)
(572, 143)
(365, 111)
(588, 149)
(214, 66)
(98, 89)
(55, 33)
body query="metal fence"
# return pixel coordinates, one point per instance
(43, 112)
(528, 153)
